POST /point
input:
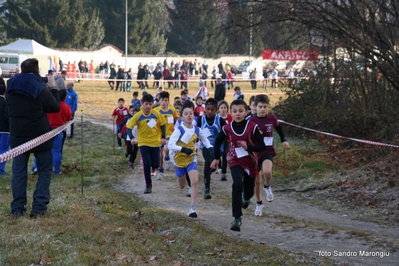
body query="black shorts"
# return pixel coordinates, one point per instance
(264, 158)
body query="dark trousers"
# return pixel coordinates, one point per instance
(223, 161)
(242, 182)
(131, 150)
(150, 159)
(207, 169)
(111, 84)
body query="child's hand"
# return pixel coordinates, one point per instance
(119, 135)
(134, 141)
(243, 144)
(214, 164)
(164, 142)
(286, 145)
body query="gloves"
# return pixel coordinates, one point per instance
(211, 153)
(187, 151)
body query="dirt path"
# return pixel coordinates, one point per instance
(286, 222)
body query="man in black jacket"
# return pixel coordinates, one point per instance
(220, 90)
(4, 128)
(28, 101)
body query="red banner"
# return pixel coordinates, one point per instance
(290, 55)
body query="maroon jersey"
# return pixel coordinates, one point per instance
(266, 125)
(120, 113)
(235, 154)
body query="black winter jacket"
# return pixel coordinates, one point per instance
(28, 101)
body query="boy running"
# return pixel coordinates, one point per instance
(211, 123)
(266, 122)
(119, 113)
(151, 134)
(171, 116)
(244, 141)
(182, 146)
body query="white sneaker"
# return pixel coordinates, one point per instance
(160, 176)
(166, 165)
(153, 172)
(192, 213)
(258, 209)
(119, 147)
(269, 193)
(188, 194)
(218, 171)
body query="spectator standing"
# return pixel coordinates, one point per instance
(220, 90)
(72, 102)
(274, 76)
(28, 101)
(265, 76)
(213, 78)
(220, 67)
(252, 76)
(4, 128)
(112, 76)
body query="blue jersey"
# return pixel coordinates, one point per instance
(211, 130)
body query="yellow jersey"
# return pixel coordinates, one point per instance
(148, 128)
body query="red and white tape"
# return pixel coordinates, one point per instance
(342, 137)
(32, 143)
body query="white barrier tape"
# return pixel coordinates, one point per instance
(342, 137)
(98, 111)
(32, 143)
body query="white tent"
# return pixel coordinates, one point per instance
(29, 47)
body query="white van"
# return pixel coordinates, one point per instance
(247, 66)
(9, 62)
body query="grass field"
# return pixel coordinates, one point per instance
(97, 94)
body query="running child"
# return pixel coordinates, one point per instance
(151, 134)
(131, 150)
(199, 108)
(266, 122)
(244, 141)
(171, 116)
(182, 146)
(211, 123)
(251, 109)
(223, 111)
(119, 113)
(136, 102)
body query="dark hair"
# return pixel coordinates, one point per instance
(237, 88)
(188, 104)
(262, 98)
(136, 93)
(252, 99)
(238, 102)
(164, 95)
(63, 72)
(131, 106)
(121, 99)
(63, 94)
(30, 65)
(211, 101)
(183, 92)
(136, 109)
(147, 99)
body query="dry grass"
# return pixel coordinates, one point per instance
(98, 95)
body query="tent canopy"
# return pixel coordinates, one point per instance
(29, 47)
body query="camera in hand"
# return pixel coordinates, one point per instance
(45, 80)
